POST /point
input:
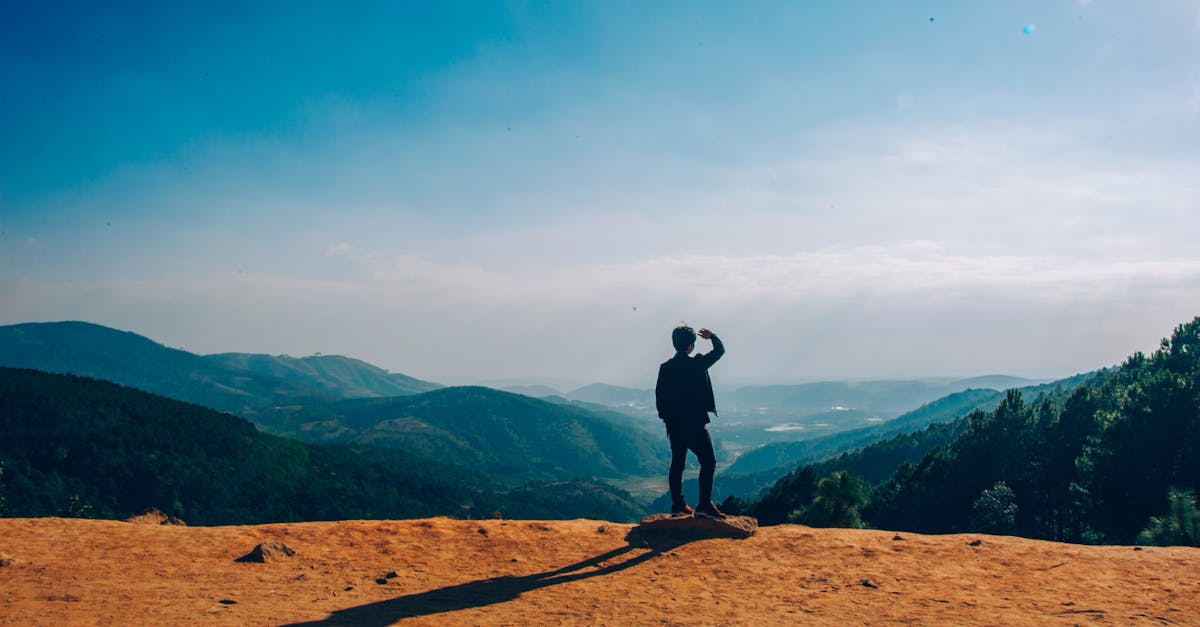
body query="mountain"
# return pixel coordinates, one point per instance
(513, 437)
(617, 415)
(536, 391)
(335, 376)
(613, 395)
(885, 397)
(506, 435)
(80, 447)
(786, 455)
(99, 352)
(235, 383)
(996, 382)
(1113, 460)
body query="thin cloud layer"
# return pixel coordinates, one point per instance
(534, 192)
(604, 321)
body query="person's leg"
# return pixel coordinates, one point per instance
(702, 445)
(679, 449)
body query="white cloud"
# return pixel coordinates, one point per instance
(340, 249)
(910, 309)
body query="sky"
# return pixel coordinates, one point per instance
(502, 191)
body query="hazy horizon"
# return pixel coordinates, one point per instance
(484, 191)
(645, 381)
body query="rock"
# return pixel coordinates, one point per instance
(154, 517)
(897, 538)
(866, 583)
(267, 552)
(975, 542)
(728, 527)
(7, 560)
(149, 517)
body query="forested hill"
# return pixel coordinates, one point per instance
(230, 382)
(333, 375)
(783, 455)
(333, 399)
(509, 436)
(74, 446)
(786, 455)
(1112, 461)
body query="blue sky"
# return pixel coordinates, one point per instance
(481, 191)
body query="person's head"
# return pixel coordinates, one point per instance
(683, 338)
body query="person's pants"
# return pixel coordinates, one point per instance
(694, 438)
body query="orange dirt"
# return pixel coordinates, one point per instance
(57, 571)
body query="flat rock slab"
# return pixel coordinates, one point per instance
(728, 527)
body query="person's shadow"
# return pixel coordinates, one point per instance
(501, 589)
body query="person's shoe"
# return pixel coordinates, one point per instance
(682, 510)
(708, 510)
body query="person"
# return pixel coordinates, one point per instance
(684, 396)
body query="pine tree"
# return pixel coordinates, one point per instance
(839, 499)
(1180, 527)
(995, 511)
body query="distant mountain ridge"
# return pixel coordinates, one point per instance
(238, 383)
(875, 395)
(338, 376)
(536, 391)
(508, 435)
(613, 395)
(785, 455)
(814, 400)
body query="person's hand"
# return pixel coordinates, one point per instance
(704, 334)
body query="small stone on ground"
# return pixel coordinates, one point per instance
(267, 552)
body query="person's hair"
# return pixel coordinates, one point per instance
(682, 337)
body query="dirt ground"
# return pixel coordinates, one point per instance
(439, 571)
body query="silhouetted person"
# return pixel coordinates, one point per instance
(684, 396)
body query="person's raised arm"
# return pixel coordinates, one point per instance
(711, 357)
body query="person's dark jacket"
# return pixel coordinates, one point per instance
(684, 393)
